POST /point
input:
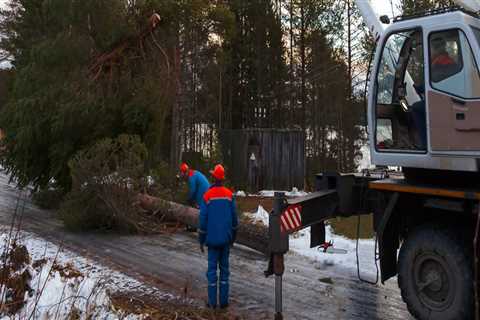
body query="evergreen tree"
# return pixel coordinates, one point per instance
(89, 70)
(255, 69)
(416, 6)
(57, 105)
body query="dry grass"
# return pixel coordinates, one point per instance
(74, 314)
(39, 263)
(154, 309)
(347, 227)
(18, 257)
(16, 283)
(68, 271)
(250, 204)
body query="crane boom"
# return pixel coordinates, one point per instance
(377, 28)
(370, 18)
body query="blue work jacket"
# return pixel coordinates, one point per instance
(218, 217)
(197, 186)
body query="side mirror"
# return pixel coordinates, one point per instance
(385, 19)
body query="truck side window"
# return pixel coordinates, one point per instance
(452, 64)
(387, 70)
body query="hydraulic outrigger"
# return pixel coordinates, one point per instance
(360, 194)
(424, 118)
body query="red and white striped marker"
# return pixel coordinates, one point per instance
(291, 219)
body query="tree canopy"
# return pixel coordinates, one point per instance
(176, 73)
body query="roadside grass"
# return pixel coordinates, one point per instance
(153, 309)
(47, 284)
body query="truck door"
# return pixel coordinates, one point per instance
(454, 98)
(400, 105)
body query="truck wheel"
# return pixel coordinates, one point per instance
(435, 274)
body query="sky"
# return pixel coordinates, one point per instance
(384, 7)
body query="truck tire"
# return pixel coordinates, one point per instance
(435, 274)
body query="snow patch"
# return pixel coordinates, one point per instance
(300, 244)
(365, 163)
(293, 193)
(55, 295)
(240, 193)
(261, 216)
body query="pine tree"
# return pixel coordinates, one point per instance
(416, 6)
(57, 106)
(256, 71)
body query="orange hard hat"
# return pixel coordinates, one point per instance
(218, 172)
(184, 167)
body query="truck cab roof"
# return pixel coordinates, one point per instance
(434, 18)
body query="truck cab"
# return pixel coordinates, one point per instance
(424, 102)
(423, 116)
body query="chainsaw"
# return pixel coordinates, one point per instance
(327, 247)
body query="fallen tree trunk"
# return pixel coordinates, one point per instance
(250, 235)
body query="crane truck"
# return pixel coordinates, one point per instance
(423, 117)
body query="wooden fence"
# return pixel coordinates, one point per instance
(259, 159)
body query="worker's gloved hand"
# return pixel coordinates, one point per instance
(202, 249)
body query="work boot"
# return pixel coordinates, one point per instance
(208, 306)
(224, 306)
(190, 229)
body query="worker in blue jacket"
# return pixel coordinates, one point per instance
(197, 184)
(217, 230)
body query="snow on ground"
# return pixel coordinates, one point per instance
(54, 294)
(240, 194)
(294, 193)
(365, 161)
(261, 216)
(300, 245)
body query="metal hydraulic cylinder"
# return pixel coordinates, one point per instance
(278, 247)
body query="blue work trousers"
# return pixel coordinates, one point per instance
(218, 258)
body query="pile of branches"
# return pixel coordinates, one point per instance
(14, 278)
(106, 179)
(104, 63)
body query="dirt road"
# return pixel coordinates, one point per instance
(174, 263)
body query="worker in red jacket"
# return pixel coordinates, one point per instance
(442, 65)
(217, 230)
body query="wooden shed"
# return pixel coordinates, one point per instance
(264, 159)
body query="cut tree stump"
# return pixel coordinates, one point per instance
(250, 235)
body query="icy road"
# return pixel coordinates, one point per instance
(174, 263)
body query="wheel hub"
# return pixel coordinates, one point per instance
(433, 281)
